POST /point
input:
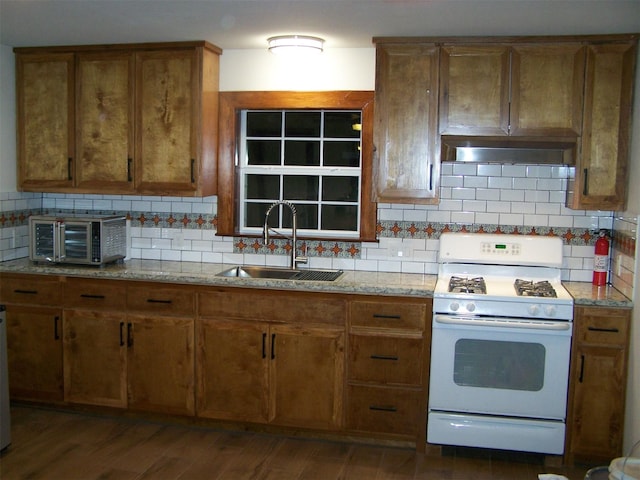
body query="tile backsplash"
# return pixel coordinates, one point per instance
(523, 199)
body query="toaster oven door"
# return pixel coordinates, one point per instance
(75, 242)
(44, 242)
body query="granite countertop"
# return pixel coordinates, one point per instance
(352, 281)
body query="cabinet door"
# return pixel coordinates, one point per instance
(546, 90)
(233, 362)
(600, 181)
(598, 402)
(34, 351)
(95, 358)
(306, 376)
(166, 120)
(160, 364)
(45, 117)
(104, 132)
(474, 90)
(406, 137)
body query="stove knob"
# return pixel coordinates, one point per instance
(471, 307)
(534, 310)
(550, 311)
(454, 306)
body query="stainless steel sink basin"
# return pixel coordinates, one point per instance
(281, 273)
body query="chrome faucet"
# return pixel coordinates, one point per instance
(295, 259)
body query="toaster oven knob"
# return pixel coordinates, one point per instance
(534, 310)
(550, 311)
(454, 306)
(471, 307)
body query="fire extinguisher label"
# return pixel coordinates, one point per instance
(600, 263)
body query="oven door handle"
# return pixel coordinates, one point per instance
(502, 322)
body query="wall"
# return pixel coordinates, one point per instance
(473, 196)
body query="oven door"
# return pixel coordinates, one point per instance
(75, 242)
(497, 366)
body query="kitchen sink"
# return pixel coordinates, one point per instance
(281, 273)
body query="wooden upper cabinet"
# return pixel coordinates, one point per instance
(600, 180)
(45, 116)
(546, 89)
(406, 137)
(474, 90)
(104, 132)
(119, 118)
(523, 90)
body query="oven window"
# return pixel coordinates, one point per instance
(499, 364)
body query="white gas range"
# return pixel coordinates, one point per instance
(501, 340)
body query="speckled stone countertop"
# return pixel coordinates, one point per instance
(362, 282)
(369, 283)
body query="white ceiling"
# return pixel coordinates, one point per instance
(239, 24)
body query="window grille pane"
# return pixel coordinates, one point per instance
(301, 187)
(340, 217)
(264, 124)
(340, 189)
(265, 187)
(302, 124)
(263, 152)
(254, 214)
(307, 216)
(302, 153)
(342, 124)
(341, 154)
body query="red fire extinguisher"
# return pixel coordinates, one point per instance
(601, 260)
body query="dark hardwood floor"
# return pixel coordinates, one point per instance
(54, 445)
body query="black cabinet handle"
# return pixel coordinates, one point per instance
(585, 185)
(581, 376)
(56, 333)
(383, 408)
(431, 177)
(70, 168)
(122, 334)
(87, 295)
(384, 357)
(129, 163)
(264, 345)
(273, 346)
(129, 335)
(394, 317)
(26, 292)
(602, 329)
(193, 170)
(153, 300)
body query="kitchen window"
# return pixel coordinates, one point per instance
(308, 157)
(313, 149)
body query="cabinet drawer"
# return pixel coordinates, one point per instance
(385, 410)
(30, 290)
(603, 326)
(165, 300)
(272, 306)
(405, 315)
(94, 294)
(384, 359)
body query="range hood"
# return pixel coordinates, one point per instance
(507, 150)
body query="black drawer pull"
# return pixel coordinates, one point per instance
(384, 357)
(581, 376)
(153, 300)
(273, 346)
(383, 408)
(602, 329)
(86, 295)
(26, 292)
(56, 333)
(380, 315)
(264, 345)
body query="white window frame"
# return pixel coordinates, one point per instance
(245, 169)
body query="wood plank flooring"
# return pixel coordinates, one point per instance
(54, 445)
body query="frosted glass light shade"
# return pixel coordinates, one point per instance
(295, 44)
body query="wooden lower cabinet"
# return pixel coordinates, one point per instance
(34, 351)
(598, 383)
(253, 367)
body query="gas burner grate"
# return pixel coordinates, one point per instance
(528, 288)
(467, 285)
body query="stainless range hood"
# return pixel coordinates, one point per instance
(509, 150)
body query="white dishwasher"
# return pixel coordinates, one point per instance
(5, 416)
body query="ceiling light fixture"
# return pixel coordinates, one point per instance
(295, 44)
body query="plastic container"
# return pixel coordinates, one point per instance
(626, 468)
(597, 473)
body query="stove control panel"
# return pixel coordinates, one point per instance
(500, 249)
